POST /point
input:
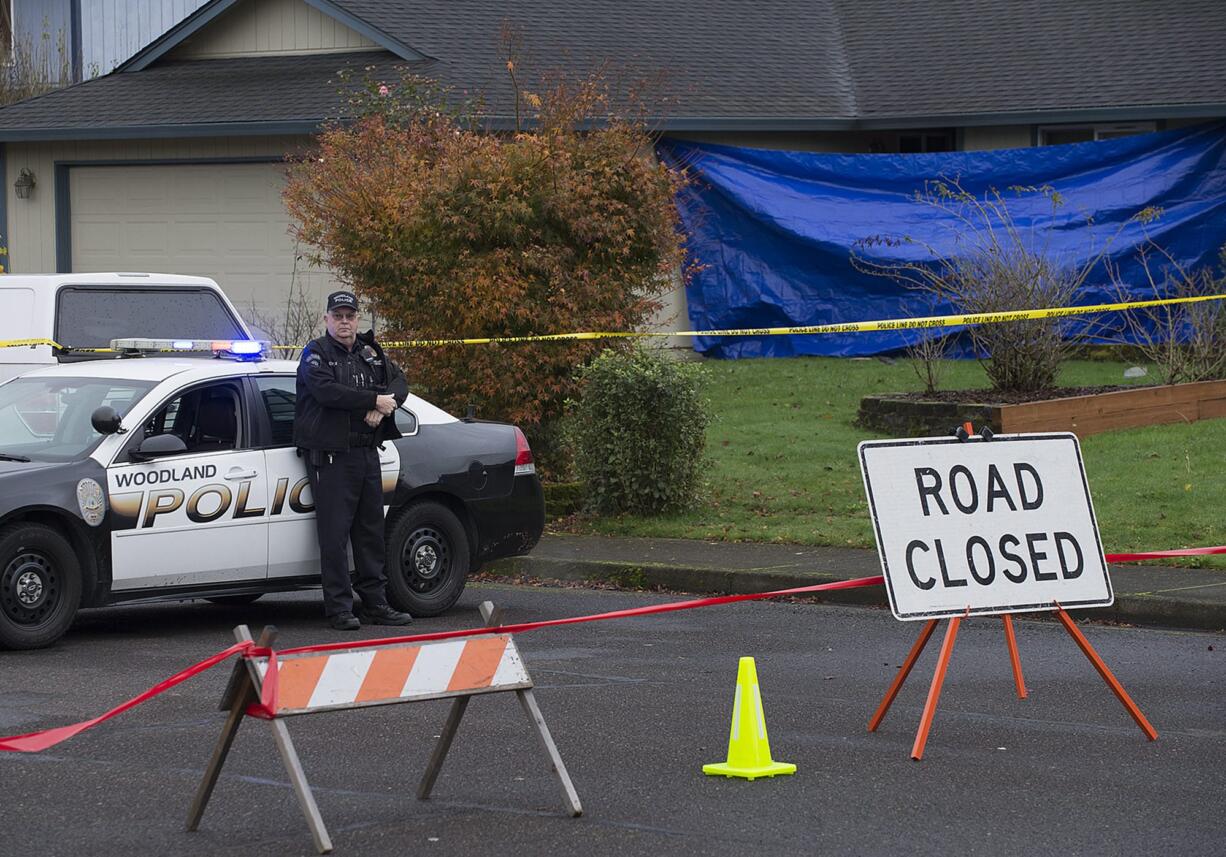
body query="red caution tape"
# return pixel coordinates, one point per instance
(267, 706)
(1137, 557)
(35, 741)
(596, 617)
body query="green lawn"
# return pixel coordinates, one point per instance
(783, 461)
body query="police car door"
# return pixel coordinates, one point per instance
(194, 518)
(293, 548)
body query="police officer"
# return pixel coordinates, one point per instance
(347, 391)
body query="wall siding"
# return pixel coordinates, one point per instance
(114, 30)
(31, 222)
(33, 18)
(255, 27)
(42, 33)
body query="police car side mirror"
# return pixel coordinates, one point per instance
(105, 420)
(159, 445)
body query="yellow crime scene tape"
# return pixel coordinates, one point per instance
(960, 320)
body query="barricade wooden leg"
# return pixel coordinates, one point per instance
(569, 795)
(491, 615)
(934, 692)
(1112, 682)
(233, 720)
(458, 706)
(289, 756)
(1014, 659)
(903, 672)
(302, 789)
(240, 692)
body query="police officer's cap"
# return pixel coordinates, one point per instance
(342, 299)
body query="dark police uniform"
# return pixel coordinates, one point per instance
(336, 387)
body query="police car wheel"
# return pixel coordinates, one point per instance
(427, 559)
(40, 586)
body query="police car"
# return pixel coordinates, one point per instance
(174, 477)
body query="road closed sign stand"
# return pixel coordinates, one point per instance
(974, 526)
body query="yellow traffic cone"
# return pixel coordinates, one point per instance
(749, 751)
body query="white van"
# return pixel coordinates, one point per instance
(89, 310)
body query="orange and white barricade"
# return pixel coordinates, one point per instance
(367, 675)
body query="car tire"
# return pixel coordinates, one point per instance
(427, 559)
(40, 586)
(235, 600)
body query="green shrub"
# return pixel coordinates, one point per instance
(638, 431)
(562, 498)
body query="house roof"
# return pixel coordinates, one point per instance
(726, 59)
(725, 64)
(264, 95)
(977, 57)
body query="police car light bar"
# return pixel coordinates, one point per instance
(242, 349)
(245, 346)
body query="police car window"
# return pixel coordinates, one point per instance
(206, 419)
(279, 394)
(48, 419)
(92, 317)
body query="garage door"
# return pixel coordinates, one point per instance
(224, 221)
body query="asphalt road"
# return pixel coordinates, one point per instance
(636, 707)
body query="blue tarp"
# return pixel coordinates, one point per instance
(775, 230)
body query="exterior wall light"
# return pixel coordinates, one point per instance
(24, 184)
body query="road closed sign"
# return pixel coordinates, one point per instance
(984, 527)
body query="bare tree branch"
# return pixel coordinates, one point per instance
(996, 264)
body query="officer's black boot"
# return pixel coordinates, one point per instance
(344, 621)
(385, 614)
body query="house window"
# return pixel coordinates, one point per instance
(1056, 135)
(914, 142)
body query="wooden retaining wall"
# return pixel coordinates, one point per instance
(1145, 406)
(1083, 415)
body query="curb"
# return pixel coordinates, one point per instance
(1157, 611)
(1150, 610)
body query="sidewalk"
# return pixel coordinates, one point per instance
(1144, 594)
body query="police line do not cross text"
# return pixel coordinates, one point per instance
(984, 527)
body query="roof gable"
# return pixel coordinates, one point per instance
(229, 28)
(269, 27)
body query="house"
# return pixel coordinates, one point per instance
(78, 39)
(173, 162)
